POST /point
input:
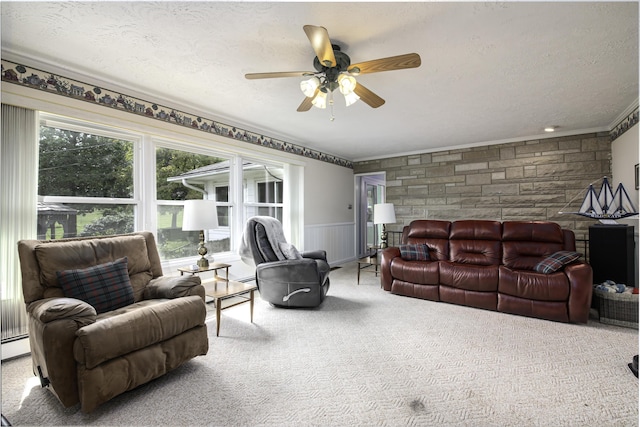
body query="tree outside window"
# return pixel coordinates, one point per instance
(75, 167)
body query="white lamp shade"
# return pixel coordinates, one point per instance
(309, 87)
(320, 101)
(384, 213)
(199, 215)
(347, 84)
(351, 98)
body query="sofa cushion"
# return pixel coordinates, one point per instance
(534, 286)
(421, 273)
(414, 252)
(104, 286)
(135, 327)
(432, 233)
(55, 255)
(480, 278)
(526, 243)
(556, 261)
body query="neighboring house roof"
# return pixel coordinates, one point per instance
(55, 208)
(205, 173)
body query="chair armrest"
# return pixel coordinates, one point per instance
(51, 309)
(290, 270)
(53, 323)
(174, 287)
(317, 254)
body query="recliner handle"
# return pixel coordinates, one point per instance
(286, 297)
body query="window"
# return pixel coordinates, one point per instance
(183, 175)
(222, 195)
(85, 182)
(263, 190)
(270, 193)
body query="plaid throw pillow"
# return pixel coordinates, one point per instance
(414, 252)
(556, 261)
(105, 286)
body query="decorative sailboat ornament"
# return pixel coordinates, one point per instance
(606, 204)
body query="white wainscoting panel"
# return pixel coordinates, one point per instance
(337, 239)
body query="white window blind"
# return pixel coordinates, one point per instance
(18, 210)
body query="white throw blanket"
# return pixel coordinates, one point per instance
(275, 235)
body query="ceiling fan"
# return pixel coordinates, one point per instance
(335, 71)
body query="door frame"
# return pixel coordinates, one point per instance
(378, 179)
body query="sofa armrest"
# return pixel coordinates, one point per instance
(317, 254)
(580, 277)
(174, 287)
(387, 256)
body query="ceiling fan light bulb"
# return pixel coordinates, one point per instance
(347, 84)
(309, 87)
(320, 101)
(351, 98)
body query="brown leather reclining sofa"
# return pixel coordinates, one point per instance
(88, 355)
(492, 265)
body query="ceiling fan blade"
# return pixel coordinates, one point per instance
(307, 103)
(368, 97)
(252, 76)
(319, 38)
(400, 62)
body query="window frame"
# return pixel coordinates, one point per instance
(76, 125)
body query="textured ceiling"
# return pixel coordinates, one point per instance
(490, 71)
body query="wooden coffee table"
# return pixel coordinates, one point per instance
(221, 289)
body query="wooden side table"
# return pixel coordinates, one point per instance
(221, 288)
(369, 261)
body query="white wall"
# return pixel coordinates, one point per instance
(328, 191)
(329, 211)
(624, 156)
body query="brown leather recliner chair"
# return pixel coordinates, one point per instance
(285, 278)
(91, 353)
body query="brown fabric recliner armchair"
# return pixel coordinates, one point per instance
(84, 355)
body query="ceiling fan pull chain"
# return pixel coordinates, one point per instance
(332, 117)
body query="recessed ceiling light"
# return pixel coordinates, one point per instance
(550, 128)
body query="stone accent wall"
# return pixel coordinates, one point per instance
(528, 180)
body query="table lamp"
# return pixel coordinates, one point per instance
(200, 215)
(384, 213)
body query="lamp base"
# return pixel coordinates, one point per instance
(203, 263)
(383, 238)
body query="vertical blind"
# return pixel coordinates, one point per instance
(18, 210)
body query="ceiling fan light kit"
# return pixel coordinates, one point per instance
(334, 70)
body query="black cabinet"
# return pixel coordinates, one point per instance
(612, 253)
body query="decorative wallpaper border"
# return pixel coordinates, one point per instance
(624, 125)
(37, 79)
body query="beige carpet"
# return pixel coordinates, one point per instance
(366, 357)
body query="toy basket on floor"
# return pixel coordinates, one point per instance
(617, 308)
